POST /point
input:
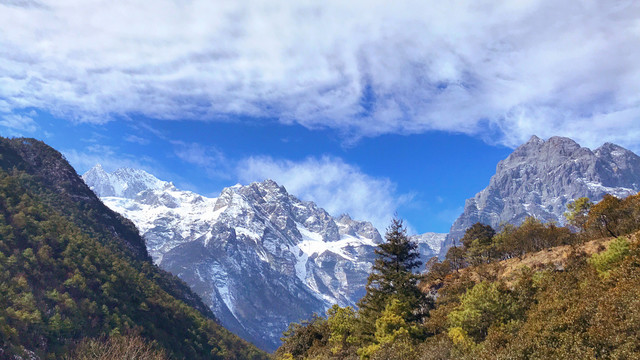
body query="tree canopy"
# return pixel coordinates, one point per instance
(513, 294)
(392, 276)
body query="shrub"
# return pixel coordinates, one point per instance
(606, 260)
(116, 347)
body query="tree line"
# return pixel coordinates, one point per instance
(586, 309)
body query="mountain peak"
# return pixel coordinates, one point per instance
(253, 248)
(552, 141)
(612, 149)
(555, 149)
(564, 142)
(540, 177)
(124, 182)
(534, 140)
(271, 186)
(98, 169)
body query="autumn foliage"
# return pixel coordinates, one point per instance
(585, 307)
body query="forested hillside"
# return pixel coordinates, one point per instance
(71, 270)
(536, 291)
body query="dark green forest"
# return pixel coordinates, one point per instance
(585, 307)
(75, 277)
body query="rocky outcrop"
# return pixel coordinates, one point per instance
(540, 177)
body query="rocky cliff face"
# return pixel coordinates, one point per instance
(258, 256)
(540, 177)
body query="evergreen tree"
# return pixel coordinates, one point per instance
(392, 277)
(456, 257)
(477, 243)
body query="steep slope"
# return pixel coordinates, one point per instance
(540, 177)
(251, 250)
(568, 297)
(72, 196)
(71, 268)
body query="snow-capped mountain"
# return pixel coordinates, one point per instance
(123, 182)
(258, 256)
(540, 177)
(429, 243)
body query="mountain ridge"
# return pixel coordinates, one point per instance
(72, 269)
(256, 236)
(539, 178)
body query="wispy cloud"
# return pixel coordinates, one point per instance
(136, 139)
(449, 215)
(18, 124)
(498, 70)
(331, 183)
(206, 157)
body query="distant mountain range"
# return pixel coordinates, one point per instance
(258, 256)
(256, 247)
(541, 177)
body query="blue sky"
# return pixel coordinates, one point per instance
(360, 106)
(425, 178)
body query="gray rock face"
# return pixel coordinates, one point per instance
(429, 244)
(259, 257)
(540, 177)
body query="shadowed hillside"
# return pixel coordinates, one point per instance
(71, 269)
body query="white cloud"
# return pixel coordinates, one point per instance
(499, 70)
(18, 124)
(332, 184)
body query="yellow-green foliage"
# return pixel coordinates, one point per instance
(606, 260)
(564, 310)
(482, 306)
(390, 326)
(342, 327)
(577, 212)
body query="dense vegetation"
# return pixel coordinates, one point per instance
(586, 307)
(71, 271)
(389, 317)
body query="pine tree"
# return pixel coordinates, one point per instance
(456, 257)
(478, 243)
(392, 277)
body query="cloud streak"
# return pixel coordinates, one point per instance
(208, 158)
(498, 70)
